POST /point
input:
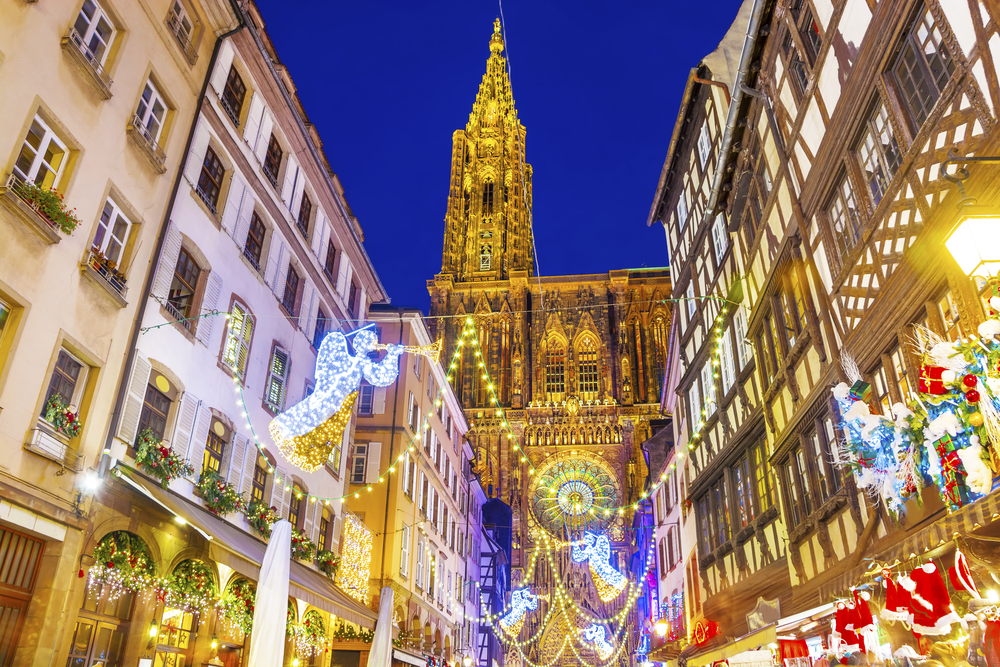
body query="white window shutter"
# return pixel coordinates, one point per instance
(307, 296)
(404, 551)
(249, 463)
(379, 400)
(319, 229)
(129, 423)
(310, 329)
(254, 118)
(238, 448)
(281, 275)
(222, 66)
(185, 423)
(273, 255)
(300, 186)
(279, 494)
(212, 292)
(243, 221)
(168, 262)
(288, 186)
(237, 188)
(373, 463)
(310, 520)
(196, 452)
(343, 274)
(324, 244)
(196, 156)
(264, 135)
(362, 310)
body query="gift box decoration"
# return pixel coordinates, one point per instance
(861, 391)
(930, 380)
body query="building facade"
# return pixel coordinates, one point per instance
(804, 186)
(99, 102)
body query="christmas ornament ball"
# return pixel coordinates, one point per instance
(976, 419)
(969, 380)
(972, 396)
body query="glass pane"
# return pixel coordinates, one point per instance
(80, 645)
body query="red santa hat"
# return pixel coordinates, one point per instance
(897, 599)
(845, 638)
(929, 601)
(863, 618)
(961, 575)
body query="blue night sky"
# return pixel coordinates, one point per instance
(597, 85)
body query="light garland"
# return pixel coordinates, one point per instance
(356, 551)
(596, 549)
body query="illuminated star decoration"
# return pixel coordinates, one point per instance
(597, 549)
(306, 432)
(598, 634)
(521, 602)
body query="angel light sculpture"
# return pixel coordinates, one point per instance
(521, 602)
(597, 550)
(598, 634)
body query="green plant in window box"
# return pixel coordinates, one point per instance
(58, 413)
(191, 587)
(221, 497)
(159, 461)
(302, 547)
(261, 518)
(104, 265)
(49, 205)
(328, 563)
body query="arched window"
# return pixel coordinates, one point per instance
(588, 370)
(178, 616)
(555, 371)
(487, 198)
(235, 608)
(258, 485)
(659, 351)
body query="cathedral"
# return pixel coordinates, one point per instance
(575, 362)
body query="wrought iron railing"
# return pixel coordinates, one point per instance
(108, 273)
(177, 315)
(148, 142)
(44, 443)
(272, 178)
(90, 57)
(14, 183)
(184, 39)
(208, 201)
(234, 114)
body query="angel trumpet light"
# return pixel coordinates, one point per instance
(432, 351)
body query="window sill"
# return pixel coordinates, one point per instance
(212, 215)
(147, 146)
(185, 45)
(73, 45)
(35, 221)
(171, 319)
(47, 443)
(111, 288)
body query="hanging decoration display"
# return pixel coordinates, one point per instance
(356, 552)
(596, 550)
(158, 461)
(261, 518)
(221, 497)
(947, 434)
(310, 634)
(521, 602)
(236, 607)
(302, 547)
(122, 562)
(191, 587)
(598, 634)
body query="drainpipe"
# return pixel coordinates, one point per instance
(392, 442)
(717, 84)
(127, 367)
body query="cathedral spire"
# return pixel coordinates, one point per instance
(487, 229)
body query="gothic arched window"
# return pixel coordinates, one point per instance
(488, 198)
(659, 351)
(555, 371)
(588, 370)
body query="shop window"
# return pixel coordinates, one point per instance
(175, 640)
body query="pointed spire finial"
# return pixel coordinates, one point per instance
(496, 42)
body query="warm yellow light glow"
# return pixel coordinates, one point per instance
(975, 245)
(993, 596)
(661, 628)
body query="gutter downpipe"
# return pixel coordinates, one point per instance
(727, 138)
(127, 367)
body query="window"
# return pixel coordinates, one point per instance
(210, 180)
(237, 349)
(764, 490)
(682, 210)
(797, 479)
(720, 237)
(588, 370)
(692, 305)
(366, 399)
(809, 30)
(179, 22)
(274, 398)
(485, 256)
(449, 591)
(770, 344)
(422, 502)
(409, 468)
(419, 578)
(255, 241)
(233, 95)
(720, 505)
(704, 145)
(878, 152)
(296, 506)
(794, 303)
(352, 301)
(430, 576)
(798, 71)
(322, 328)
(404, 550)
(418, 365)
(259, 481)
(94, 32)
(413, 414)
(180, 299)
(215, 447)
(324, 530)
(336, 455)
(331, 256)
(305, 213)
(291, 291)
(42, 157)
(821, 443)
(744, 491)
(272, 160)
(101, 628)
(151, 112)
(726, 362)
(694, 405)
(744, 351)
(948, 310)
(555, 371)
(65, 377)
(923, 67)
(899, 369)
(112, 233)
(708, 384)
(359, 463)
(880, 390)
(487, 198)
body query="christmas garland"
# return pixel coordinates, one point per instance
(159, 461)
(122, 562)
(948, 434)
(261, 518)
(291, 629)
(221, 498)
(302, 547)
(328, 563)
(191, 587)
(236, 606)
(310, 636)
(64, 420)
(346, 632)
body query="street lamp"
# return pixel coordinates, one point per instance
(975, 245)
(467, 661)
(661, 628)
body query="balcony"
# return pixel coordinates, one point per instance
(88, 62)
(27, 211)
(183, 39)
(48, 444)
(272, 177)
(146, 143)
(207, 200)
(234, 113)
(104, 274)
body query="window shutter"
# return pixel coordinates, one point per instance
(324, 245)
(168, 262)
(273, 256)
(288, 185)
(243, 221)
(238, 449)
(222, 66)
(277, 379)
(379, 403)
(280, 495)
(374, 462)
(186, 412)
(129, 423)
(409, 411)
(253, 120)
(281, 275)
(196, 156)
(319, 231)
(422, 491)
(264, 135)
(208, 304)
(404, 550)
(249, 463)
(308, 294)
(309, 525)
(230, 214)
(343, 275)
(300, 185)
(310, 329)
(196, 452)
(336, 534)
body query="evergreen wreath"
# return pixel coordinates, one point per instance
(64, 420)
(221, 498)
(328, 563)
(159, 461)
(302, 547)
(191, 586)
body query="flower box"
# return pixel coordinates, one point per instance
(105, 274)
(159, 461)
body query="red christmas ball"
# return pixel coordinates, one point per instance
(972, 396)
(969, 380)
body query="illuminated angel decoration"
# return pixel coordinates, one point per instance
(307, 432)
(598, 634)
(521, 602)
(597, 550)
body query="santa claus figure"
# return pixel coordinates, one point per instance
(930, 604)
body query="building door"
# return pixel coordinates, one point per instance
(19, 556)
